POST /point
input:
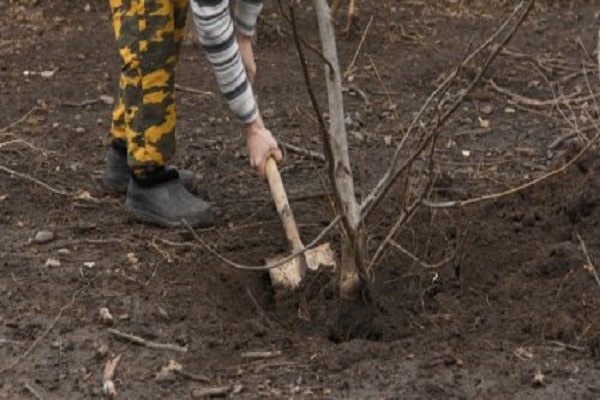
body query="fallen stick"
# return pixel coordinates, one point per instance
(302, 151)
(532, 102)
(108, 386)
(147, 343)
(34, 180)
(192, 377)
(18, 121)
(34, 392)
(192, 90)
(83, 103)
(201, 393)
(255, 355)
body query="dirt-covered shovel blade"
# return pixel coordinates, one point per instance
(290, 273)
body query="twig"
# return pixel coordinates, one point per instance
(360, 44)
(108, 386)
(44, 334)
(569, 99)
(390, 176)
(192, 377)
(192, 90)
(259, 309)
(34, 180)
(10, 341)
(261, 367)
(404, 217)
(255, 355)
(416, 259)
(279, 263)
(589, 265)
(302, 151)
(34, 392)
(598, 52)
(147, 343)
(567, 346)
(498, 195)
(18, 121)
(83, 103)
(209, 392)
(559, 140)
(26, 143)
(290, 20)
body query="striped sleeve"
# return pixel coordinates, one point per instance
(246, 15)
(217, 36)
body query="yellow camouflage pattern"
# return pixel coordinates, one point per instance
(149, 34)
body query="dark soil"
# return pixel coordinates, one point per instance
(512, 315)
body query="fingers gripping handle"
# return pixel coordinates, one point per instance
(282, 205)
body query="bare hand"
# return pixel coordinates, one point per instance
(247, 53)
(261, 145)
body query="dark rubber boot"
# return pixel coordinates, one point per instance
(117, 172)
(162, 199)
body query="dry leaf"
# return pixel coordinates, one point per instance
(106, 316)
(52, 263)
(48, 73)
(484, 123)
(108, 100)
(538, 378)
(132, 258)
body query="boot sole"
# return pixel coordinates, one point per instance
(146, 216)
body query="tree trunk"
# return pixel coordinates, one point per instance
(351, 278)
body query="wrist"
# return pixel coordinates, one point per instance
(244, 36)
(254, 126)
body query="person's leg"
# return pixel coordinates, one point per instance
(181, 16)
(145, 32)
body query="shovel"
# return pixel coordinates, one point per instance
(289, 275)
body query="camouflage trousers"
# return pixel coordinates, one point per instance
(149, 35)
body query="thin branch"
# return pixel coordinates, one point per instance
(83, 103)
(26, 143)
(360, 44)
(34, 180)
(279, 263)
(192, 90)
(37, 341)
(302, 151)
(18, 121)
(511, 191)
(34, 392)
(416, 259)
(405, 215)
(573, 98)
(147, 343)
(390, 176)
(291, 21)
(589, 265)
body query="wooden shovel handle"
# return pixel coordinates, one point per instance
(282, 205)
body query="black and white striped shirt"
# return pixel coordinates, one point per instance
(216, 33)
